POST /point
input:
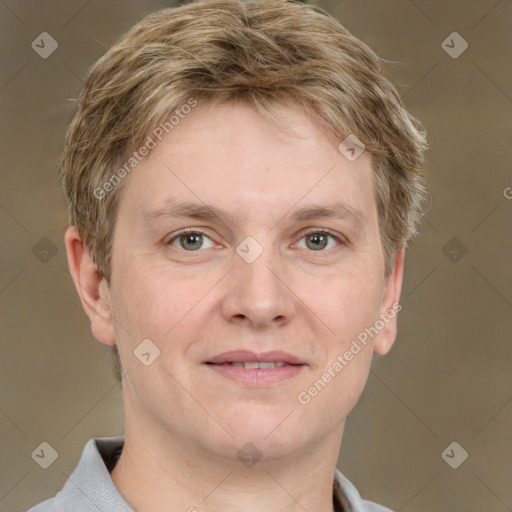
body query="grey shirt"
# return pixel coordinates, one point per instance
(91, 489)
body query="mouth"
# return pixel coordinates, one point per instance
(256, 370)
(253, 365)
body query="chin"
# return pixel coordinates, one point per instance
(247, 448)
(274, 435)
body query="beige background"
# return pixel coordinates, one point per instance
(448, 376)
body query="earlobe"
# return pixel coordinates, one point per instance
(91, 288)
(390, 307)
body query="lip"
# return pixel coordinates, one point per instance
(246, 355)
(256, 377)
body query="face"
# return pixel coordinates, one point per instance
(226, 251)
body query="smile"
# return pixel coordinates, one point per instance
(265, 365)
(256, 374)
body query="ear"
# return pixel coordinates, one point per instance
(91, 287)
(390, 307)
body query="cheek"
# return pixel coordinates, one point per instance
(146, 305)
(157, 304)
(346, 304)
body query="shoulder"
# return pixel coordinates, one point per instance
(90, 486)
(51, 505)
(351, 499)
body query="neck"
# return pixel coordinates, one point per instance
(156, 472)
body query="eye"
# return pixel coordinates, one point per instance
(190, 240)
(319, 240)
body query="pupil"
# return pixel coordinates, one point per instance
(194, 239)
(315, 238)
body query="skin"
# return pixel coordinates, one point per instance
(184, 422)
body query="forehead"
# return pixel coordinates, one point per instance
(232, 157)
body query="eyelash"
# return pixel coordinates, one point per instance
(311, 231)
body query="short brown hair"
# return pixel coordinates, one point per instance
(265, 52)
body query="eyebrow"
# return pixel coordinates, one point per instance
(200, 211)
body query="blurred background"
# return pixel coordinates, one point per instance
(432, 429)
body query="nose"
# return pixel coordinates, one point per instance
(258, 293)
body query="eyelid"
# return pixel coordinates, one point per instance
(187, 230)
(173, 236)
(338, 237)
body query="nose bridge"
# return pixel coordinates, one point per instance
(259, 292)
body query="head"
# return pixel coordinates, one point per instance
(243, 106)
